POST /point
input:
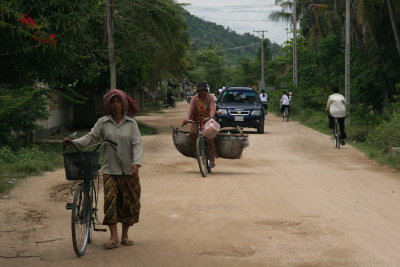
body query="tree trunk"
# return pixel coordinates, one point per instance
(393, 21)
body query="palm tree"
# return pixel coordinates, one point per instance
(317, 18)
(393, 22)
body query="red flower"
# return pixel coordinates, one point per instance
(38, 35)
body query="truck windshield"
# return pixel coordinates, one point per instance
(239, 97)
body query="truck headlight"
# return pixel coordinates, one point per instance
(256, 112)
(222, 111)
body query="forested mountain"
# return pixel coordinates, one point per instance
(204, 33)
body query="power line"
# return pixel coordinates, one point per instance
(237, 19)
(232, 48)
(231, 7)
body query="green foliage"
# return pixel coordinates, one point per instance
(27, 161)
(148, 37)
(72, 58)
(204, 33)
(387, 134)
(245, 73)
(7, 155)
(151, 42)
(211, 63)
(146, 129)
(19, 110)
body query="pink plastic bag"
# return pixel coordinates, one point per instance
(211, 128)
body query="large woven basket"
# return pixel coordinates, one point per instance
(183, 143)
(230, 147)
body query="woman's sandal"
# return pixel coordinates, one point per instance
(110, 244)
(127, 242)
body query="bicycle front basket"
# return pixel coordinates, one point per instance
(81, 165)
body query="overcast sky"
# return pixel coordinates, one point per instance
(241, 16)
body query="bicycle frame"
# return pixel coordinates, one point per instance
(336, 132)
(285, 115)
(201, 148)
(84, 208)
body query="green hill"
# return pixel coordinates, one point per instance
(203, 33)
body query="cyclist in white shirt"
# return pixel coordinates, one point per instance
(336, 108)
(284, 102)
(264, 100)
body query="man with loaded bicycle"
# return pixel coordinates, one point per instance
(201, 106)
(336, 108)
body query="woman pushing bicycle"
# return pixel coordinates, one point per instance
(121, 167)
(201, 106)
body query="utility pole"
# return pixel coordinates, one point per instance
(261, 33)
(294, 22)
(347, 62)
(110, 41)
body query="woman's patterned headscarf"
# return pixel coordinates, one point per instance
(128, 103)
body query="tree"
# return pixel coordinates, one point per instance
(19, 110)
(212, 61)
(394, 25)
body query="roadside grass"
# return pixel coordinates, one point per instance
(319, 122)
(377, 155)
(27, 161)
(32, 160)
(146, 129)
(151, 107)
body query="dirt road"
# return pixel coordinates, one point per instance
(292, 200)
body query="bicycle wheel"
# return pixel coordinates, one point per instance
(337, 134)
(90, 236)
(286, 115)
(81, 219)
(208, 163)
(200, 153)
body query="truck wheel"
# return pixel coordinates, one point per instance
(260, 128)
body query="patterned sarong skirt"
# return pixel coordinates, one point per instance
(121, 199)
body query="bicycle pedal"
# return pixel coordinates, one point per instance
(100, 230)
(69, 206)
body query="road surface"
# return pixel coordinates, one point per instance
(291, 200)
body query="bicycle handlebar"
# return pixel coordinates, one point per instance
(203, 120)
(109, 142)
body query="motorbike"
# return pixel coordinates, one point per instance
(169, 102)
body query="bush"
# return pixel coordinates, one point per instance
(357, 133)
(7, 155)
(19, 111)
(387, 134)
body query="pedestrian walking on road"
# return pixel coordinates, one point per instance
(121, 168)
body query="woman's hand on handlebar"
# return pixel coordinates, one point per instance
(135, 169)
(66, 141)
(185, 121)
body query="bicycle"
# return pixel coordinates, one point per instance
(336, 132)
(285, 114)
(83, 166)
(201, 148)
